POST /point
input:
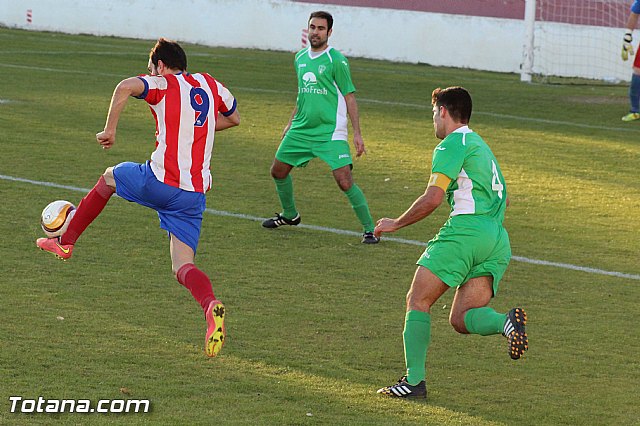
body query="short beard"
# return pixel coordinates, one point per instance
(318, 43)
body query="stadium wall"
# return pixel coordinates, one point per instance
(481, 34)
(486, 43)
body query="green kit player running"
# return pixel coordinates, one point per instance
(470, 252)
(318, 126)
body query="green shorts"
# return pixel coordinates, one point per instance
(298, 152)
(466, 247)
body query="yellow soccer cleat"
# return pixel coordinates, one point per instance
(632, 116)
(215, 328)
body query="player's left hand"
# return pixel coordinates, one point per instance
(106, 139)
(358, 143)
(384, 225)
(627, 47)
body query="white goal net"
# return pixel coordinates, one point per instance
(576, 38)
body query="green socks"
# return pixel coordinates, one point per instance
(360, 207)
(417, 336)
(484, 321)
(284, 188)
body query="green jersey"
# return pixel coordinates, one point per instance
(477, 186)
(323, 80)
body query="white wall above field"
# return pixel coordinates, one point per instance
(438, 39)
(484, 43)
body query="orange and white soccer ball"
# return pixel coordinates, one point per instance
(56, 217)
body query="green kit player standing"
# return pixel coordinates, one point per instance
(470, 252)
(318, 126)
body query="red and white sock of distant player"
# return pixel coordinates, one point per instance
(88, 209)
(197, 282)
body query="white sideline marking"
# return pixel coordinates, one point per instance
(634, 129)
(47, 69)
(352, 233)
(498, 115)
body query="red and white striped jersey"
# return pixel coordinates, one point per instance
(185, 107)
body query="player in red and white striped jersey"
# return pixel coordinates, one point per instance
(188, 110)
(181, 104)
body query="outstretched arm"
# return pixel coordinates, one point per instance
(129, 87)
(422, 207)
(354, 116)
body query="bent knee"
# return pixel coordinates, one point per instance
(275, 174)
(457, 322)
(108, 177)
(418, 303)
(345, 184)
(108, 172)
(278, 172)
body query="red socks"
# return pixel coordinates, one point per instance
(88, 209)
(197, 283)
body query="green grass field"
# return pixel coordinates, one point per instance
(314, 318)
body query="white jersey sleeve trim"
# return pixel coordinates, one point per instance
(302, 52)
(328, 50)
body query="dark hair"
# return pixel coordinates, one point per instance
(456, 100)
(170, 53)
(323, 15)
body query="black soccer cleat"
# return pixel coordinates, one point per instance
(369, 238)
(278, 220)
(515, 332)
(402, 389)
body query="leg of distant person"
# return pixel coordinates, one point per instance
(358, 202)
(634, 98)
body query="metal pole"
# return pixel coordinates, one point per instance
(527, 50)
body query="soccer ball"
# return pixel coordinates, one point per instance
(56, 217)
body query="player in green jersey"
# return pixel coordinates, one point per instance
(318, 126)
(470, 252)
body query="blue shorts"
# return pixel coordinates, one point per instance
(180, 211)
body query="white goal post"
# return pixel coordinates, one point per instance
(575, 38)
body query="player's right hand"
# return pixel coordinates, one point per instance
(627, 47)
(384, 225)
(106, 139)
(358, 143)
